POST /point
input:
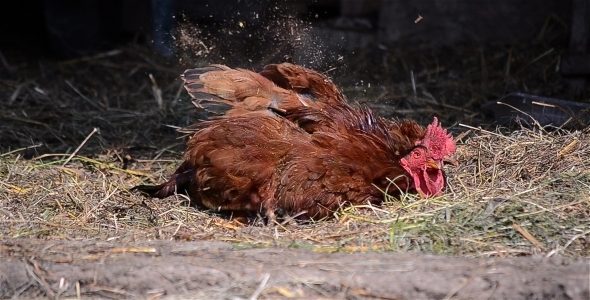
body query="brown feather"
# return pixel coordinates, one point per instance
(285, 138)
(304, 81)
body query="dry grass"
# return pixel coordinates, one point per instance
(516, 193)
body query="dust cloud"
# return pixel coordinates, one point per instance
(254, 39)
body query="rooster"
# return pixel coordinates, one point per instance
(286, 139)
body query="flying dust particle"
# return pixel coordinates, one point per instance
(270, 37)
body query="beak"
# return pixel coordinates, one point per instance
(451, 161)
(432, 164)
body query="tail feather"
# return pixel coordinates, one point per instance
(179, 182)
(156, 191)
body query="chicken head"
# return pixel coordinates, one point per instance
(425, 162)
(426, 173)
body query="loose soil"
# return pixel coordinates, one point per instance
(214, 270)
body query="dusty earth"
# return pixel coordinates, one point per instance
(214, 270)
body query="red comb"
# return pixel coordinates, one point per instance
(438, 141)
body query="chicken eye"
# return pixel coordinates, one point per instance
(417, 154)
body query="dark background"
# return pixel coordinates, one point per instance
(73, 27)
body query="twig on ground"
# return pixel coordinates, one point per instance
(260, 287)
(95, 130)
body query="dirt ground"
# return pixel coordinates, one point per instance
(214, 270)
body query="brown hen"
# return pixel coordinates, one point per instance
(285, 138)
